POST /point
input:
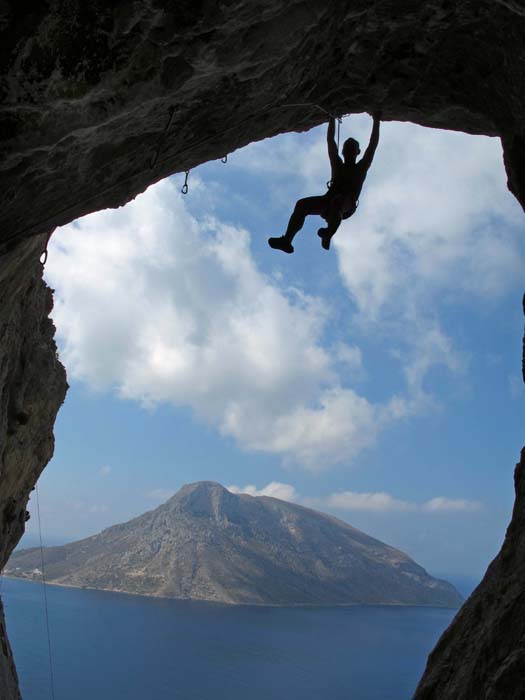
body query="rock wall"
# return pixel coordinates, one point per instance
(32, 388)
(8, 676)
(86, 89)
(98, 100)
(482, 654)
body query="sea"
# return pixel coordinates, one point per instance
(113, 646)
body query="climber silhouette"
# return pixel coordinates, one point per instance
(340, 202)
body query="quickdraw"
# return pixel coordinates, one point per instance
(184, 188)
(153, 161)
(44, 253)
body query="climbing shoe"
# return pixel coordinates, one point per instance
(281, 243)
(325, 238)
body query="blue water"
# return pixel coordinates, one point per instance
(110, 646)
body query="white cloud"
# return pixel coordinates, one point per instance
(163, 308)
(104, 471)
(375, 502)
(436, 226)
(340, 426)
(378, 502)
(442, 504)
(382, 502)
(435, 218)
(275, 489)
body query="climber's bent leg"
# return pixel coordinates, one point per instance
(326, 234)
(304, 207)
(333, 219)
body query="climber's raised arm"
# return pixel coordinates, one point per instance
(332, 146)
(374, 140)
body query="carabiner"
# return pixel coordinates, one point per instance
(184, 188)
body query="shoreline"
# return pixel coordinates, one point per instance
(207, 601)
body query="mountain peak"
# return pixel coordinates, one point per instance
(210, 544)
(204, 499)
(201, 486)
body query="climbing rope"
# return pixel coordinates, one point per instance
(51, 675)
(299, 104)
(160, 142)
(523, 349)
(156, 160)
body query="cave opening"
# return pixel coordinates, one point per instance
(401, 345)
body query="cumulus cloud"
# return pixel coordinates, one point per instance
(435, 218)
(378, 502)
(436, 228)
(442, 504)
(163, 308)
(382, 502)
(375, 502)
(435, 212)
(275, 489)
(436, 225)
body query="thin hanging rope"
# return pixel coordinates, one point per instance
(162, 137)
(51, 675)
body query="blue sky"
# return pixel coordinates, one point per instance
(379, 382)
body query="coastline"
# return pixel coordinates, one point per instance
(224, 603)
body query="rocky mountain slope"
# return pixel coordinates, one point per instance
(209, 544)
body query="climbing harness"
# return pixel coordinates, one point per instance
(351, 212)
(184, 188)
(155, 160)
(51, 676)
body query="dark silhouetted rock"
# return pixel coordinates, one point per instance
(86, 90)
(481, 655)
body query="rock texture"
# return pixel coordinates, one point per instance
(86, 91)
(8, 676)
(32, 388)
(206, 543)
(86, 88)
